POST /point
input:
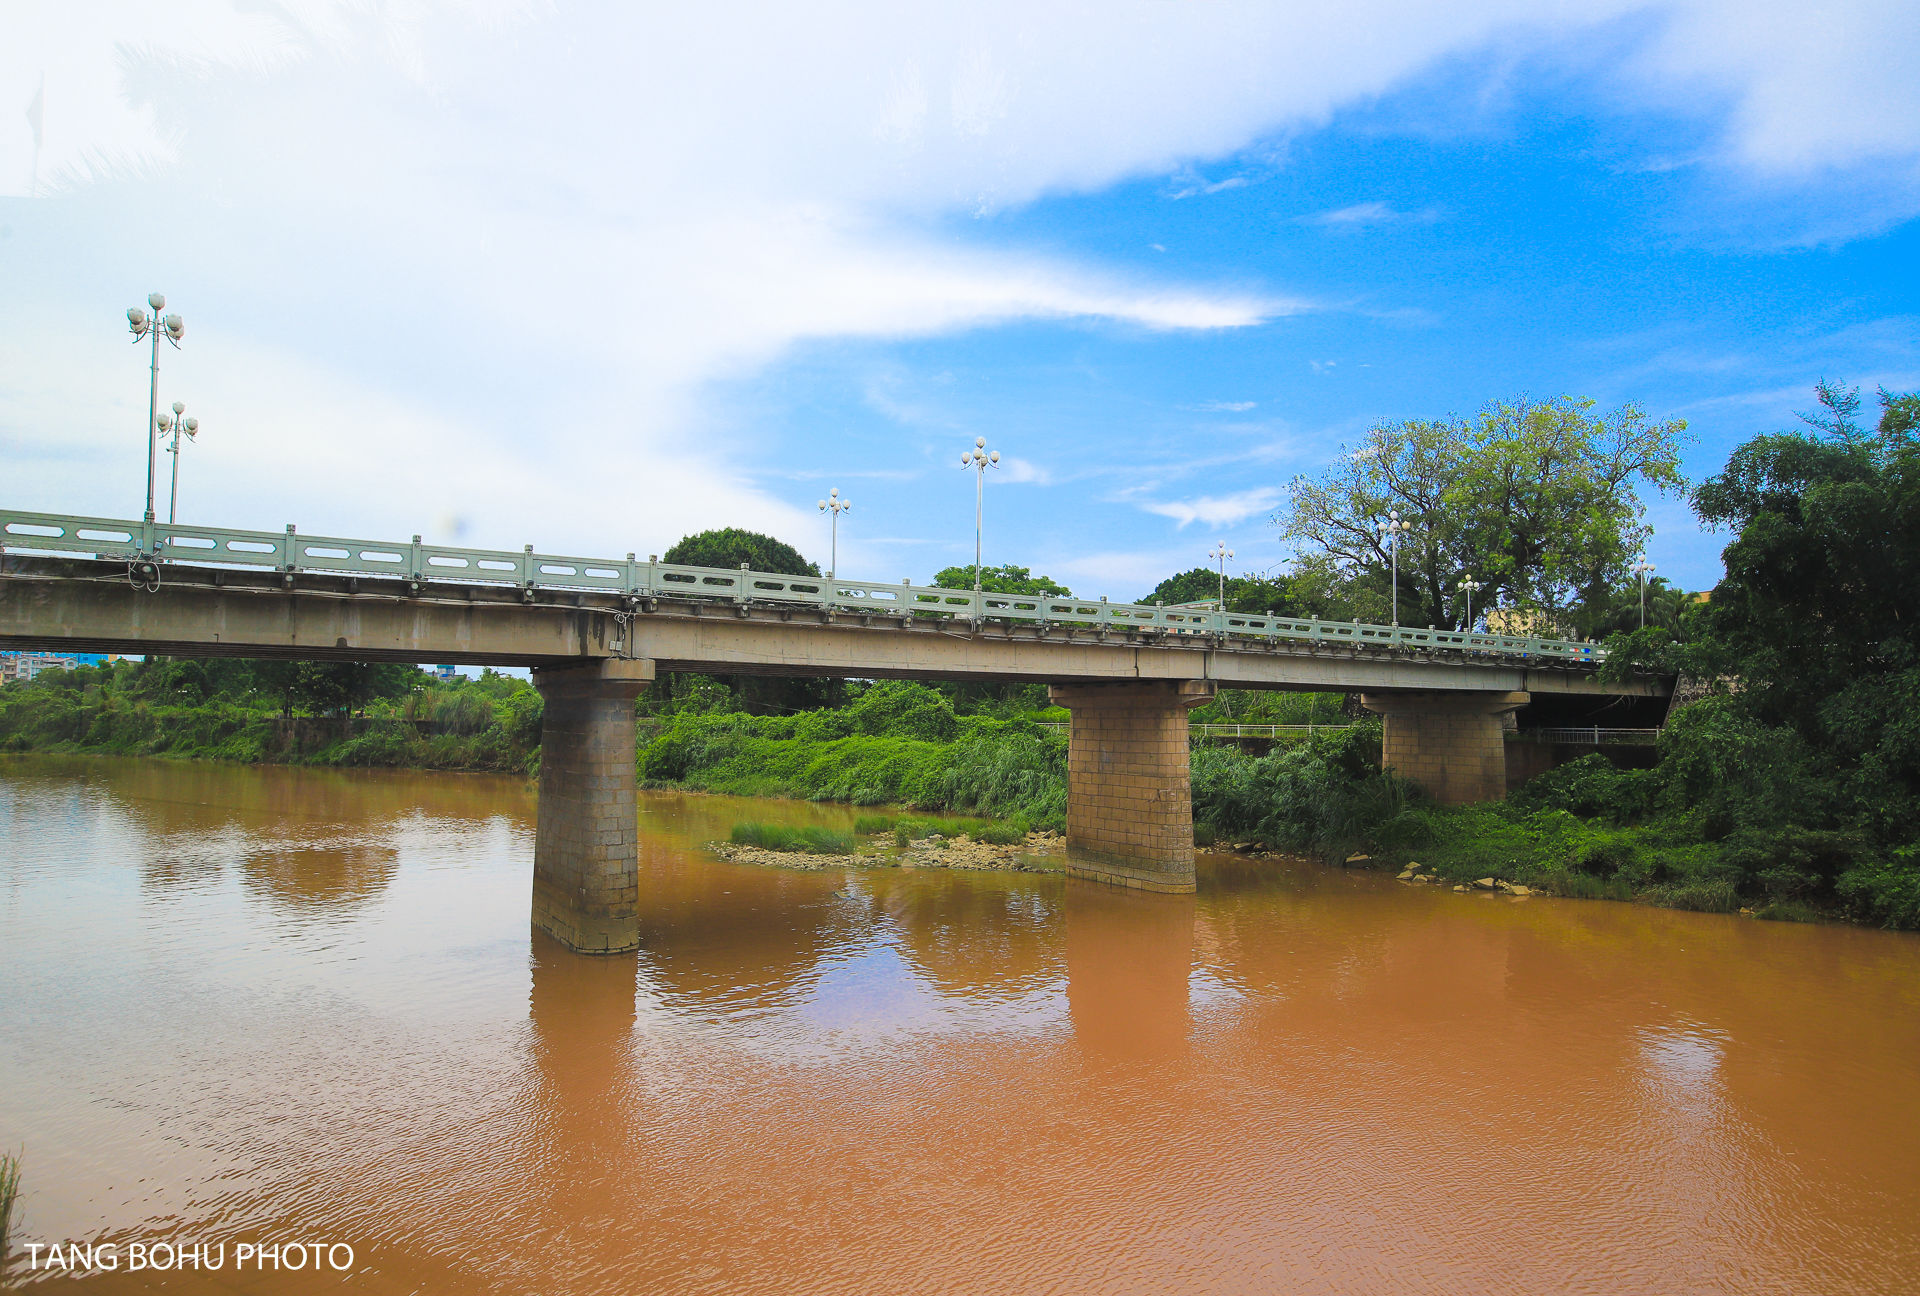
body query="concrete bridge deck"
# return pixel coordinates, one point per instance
(595, 632)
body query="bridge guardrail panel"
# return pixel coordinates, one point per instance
(292, 551)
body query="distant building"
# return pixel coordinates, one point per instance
(445, 674)
(24, 666)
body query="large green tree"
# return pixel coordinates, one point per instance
(1806, 766)
(1254, 594)
(731, 546)
(1537, 500)
(999, 580)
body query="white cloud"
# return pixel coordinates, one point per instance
(1226, 407)
(1366, 215)
(505, 248)
(1217, 510)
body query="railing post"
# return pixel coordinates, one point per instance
(417, 563)
(526, 570)
(741, 595)
(289, 552)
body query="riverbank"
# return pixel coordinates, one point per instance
(1588, 830)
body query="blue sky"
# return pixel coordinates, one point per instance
(591, 278)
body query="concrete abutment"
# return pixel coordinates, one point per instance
(586, 841)
(1129, 791)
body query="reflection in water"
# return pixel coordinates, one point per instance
(309, 1002)
(1129, 964)
(299, 876)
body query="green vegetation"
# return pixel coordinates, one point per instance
(730, 547)
(332, 714)
(9, 1197)
(1535, 499)
(1257, 595)
(999, 580)
(779, 837)
(1793, 788)
(896, 743)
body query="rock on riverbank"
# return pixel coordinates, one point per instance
(1041, 852)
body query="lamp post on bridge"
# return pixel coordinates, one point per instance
(835, 506)
(1469, 586)
(979, 459)
(142, 325)
(1642, 570)
(1390, 532)
(176, 425)
(1220, 553)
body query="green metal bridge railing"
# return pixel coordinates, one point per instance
(292, 553)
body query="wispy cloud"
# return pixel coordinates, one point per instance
(1217, 510)
(1367, 215)
(1225, 407)
(1188, 184)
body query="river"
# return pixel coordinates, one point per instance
(256, 1005)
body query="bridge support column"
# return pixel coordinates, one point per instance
(1453, 745)
(1129, 795)
(586, 842)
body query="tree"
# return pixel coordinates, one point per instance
(1818, 596)
(1538, 500)
(1807, 765)
(348, 686)
(1252, 594)
(1000, 580)
(731, 546)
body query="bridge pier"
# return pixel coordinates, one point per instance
(1451, 744)
(1129, 792)
(586, 842)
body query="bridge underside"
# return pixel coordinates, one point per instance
(1129, 804)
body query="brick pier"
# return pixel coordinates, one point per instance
(586, 843)
(1451, 744)
(1129, 795)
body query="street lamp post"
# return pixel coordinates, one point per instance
(1390, 532)
(835, 506)
(1469, 586)
(1642, 570)
(1220, 554)
(141, 325)
(176, 425)
(979, 459)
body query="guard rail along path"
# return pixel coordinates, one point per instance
(596, 630)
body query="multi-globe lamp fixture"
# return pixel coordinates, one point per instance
(979, 459)
(835, 506)
(154, 326)
(1390, 532)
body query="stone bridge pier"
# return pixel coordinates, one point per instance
(1129, 791)
(586, 842)
(1452, 744)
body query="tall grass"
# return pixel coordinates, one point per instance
(811, 840)
(9, 1196)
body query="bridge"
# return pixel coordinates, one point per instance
(596, 631)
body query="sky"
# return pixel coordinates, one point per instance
(594, 277)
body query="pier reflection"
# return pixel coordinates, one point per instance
(1129, 968)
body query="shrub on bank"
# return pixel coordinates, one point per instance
(811, 839)
(1002, 769)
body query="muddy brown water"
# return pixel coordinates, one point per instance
(265, 1006)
